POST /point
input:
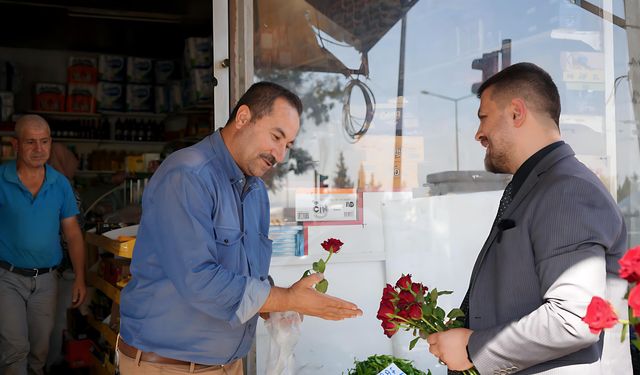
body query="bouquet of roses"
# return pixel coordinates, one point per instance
(600, 313)
(412, 307)
(332, 245)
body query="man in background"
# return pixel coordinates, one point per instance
(201, 260)
(35, 203)
(554, 244)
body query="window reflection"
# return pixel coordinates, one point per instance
(318, 47)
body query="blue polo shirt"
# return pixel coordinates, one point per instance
(30, 226)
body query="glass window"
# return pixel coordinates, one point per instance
(390, 119)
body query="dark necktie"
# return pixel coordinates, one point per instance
(507, 197)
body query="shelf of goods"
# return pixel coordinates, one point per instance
(124, 249)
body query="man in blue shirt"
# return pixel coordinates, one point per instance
(35, 203)
(201, 261)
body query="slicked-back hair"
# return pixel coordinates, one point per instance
(527, 81)
(260, 98)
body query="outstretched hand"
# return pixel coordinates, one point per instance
(308, 301)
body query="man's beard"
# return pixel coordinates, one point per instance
(496, 162)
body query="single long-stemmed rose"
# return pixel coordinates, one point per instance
(331, 245)
(600, 313)
(412, 307)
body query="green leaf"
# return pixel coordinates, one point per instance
(321, 266)
(439, 313)
(625, 328)
(636, 343)
(455, 313)
(413, 343)
(322, 286)
(306, 273)
(315, 266)
(442, 293)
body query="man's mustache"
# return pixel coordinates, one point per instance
(269, 158)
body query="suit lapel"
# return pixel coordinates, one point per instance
(534, 177)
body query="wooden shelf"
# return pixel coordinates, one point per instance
(122, 249)
(102, 368)
(109, 334)
(111, 291)
(108, 141)
(80, 115)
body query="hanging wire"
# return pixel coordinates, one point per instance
(354, 130)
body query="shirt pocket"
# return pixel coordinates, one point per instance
(229, 246)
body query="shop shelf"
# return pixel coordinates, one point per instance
(109, 290)
(104, 330)
(122, 249)
(102, 368)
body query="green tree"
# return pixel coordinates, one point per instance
(342, 180)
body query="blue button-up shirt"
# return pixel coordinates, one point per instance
(30, 225)
(201, 259)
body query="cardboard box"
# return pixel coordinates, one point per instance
(112, 68)
(139, 98)
(81, 98)
(139, 70)
(197, 53)
(49, 97)
(82, 69)
(110, 96)
(165, 70)
(201, 85)
(161, 96)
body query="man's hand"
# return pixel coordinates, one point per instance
(308, 301)
(78, 293)
(450, 347)
(303, 298)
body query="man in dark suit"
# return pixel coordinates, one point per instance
(555, 243)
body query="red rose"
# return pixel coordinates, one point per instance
(389, 327)
(386, 308)
(404, 282)
(634, 300)
(630, 265)
(332, 245)
(600, 315)
(404, 314)
(415, 312)
(389, 293)
(418, 288)
(407, 297)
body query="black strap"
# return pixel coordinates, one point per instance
(29, 272)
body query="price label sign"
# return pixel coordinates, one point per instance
(392, 369)
(326, 207)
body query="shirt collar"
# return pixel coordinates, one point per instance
(11, 174)
(228, 164)
(525, 169)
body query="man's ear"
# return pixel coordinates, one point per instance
(243, 116)
(518, 111)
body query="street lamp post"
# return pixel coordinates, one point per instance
(455, 103)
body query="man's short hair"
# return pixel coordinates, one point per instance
(29, 120)
(530, 82)
(260, 97)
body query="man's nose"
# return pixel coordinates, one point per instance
(280, 154)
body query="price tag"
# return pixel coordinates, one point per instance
(392, 369)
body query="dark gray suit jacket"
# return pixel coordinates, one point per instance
(530, 288)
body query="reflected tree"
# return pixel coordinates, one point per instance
(319, 94)
(342, 180)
